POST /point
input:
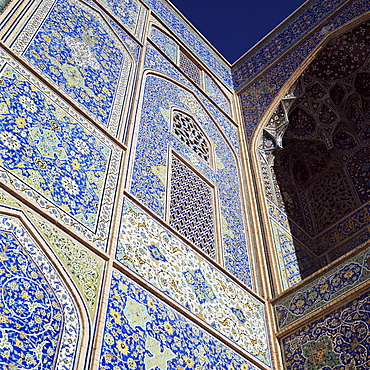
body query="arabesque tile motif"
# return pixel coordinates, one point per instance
(142, 332)
(179, 272)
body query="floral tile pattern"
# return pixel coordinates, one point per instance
(178, 271)
(322, 290)
(55, 157)
(165, 43)
(40, 325)
(215, 93)
(191, 40)
(77, 50)
(149, 180)
(339, 340)
(141, 332)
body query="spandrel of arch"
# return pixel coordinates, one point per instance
(40, 326)
(188, 131)
(314, 149)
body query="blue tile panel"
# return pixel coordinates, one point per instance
(130, 13)
(191, 40)
(164, 43)
(142, 332)
(53, 156)
(323, 289)
(343, 230)
(278, 43)
(78, 51)
(157, 62)
(260, 94)
(339, 340)
(177, 270)
(40, 326)
(150, 163)
(215, 93)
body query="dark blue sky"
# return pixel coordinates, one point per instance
(234, 26)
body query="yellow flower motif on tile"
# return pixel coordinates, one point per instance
(168, 327)
(151, 304)
(116, 316)
(189, 361)
(122, 347)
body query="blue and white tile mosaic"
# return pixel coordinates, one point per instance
(40, 325)
(131, 14)
(191, 40)
(165, 43)
(72, 45)
(142, 332)
(215, 93)
(150, 162)
(322, 290)
(259, 95)
(157, 62)
(339, 340)
(283, 39)
(166, 262)
(55, 157)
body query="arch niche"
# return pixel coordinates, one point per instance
(314, 154)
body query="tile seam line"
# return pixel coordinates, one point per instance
(152, 289)
(241, 89)
(193, 247)
(61, 94)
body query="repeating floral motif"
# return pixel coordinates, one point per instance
(191, 40)
(141, 332)
(55, 157)
(77, 50)
(178, 271)
(259, 95)
(158, 63)
(284, 38)
(165, 43)
(40, 326)
(216, 94)
(130, 12)
(323, 289)
(149, 170)
(339, 340)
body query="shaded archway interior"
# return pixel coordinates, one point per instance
(316, 149)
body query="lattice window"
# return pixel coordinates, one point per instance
(191, 207)
(189, 132)
(190, 69)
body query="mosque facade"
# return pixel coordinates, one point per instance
(161, 208)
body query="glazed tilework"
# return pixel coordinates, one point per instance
(215, 93)
(84, 267)
(178, 271)
(190, 69)
(142, 332)
(3, 4)
(281, 40)
(149, 177)
(323, 289)
(158, 63)
(349, 245)
(260, 94)
(191, 207)
(130, 13)
(191, 40)
(339, 340)
(164, 43)
(72, 45)
(53, 156)
(40, 325)
(343, 230)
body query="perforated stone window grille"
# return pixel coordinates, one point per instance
(191, 207)
(190, 69)
(188, 131)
